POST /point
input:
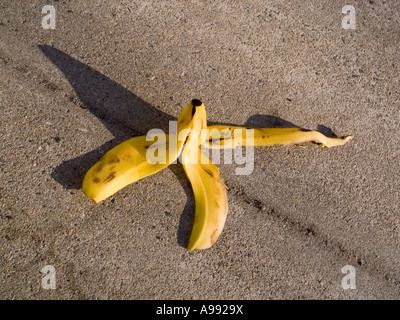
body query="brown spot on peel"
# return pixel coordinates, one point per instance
(216, 139)
(96, 180)
(208, 171)
(110, 177)
(100, 166)
(114, 159)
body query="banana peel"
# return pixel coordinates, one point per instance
(129, 161)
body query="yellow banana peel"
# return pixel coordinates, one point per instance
(132, 160)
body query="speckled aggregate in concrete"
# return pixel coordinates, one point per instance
(111, 70)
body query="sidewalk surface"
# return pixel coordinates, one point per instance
(112, 70)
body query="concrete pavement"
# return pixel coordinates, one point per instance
(109, 71)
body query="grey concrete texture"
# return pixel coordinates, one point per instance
(112, 70)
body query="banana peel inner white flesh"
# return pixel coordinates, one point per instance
(127, 163)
